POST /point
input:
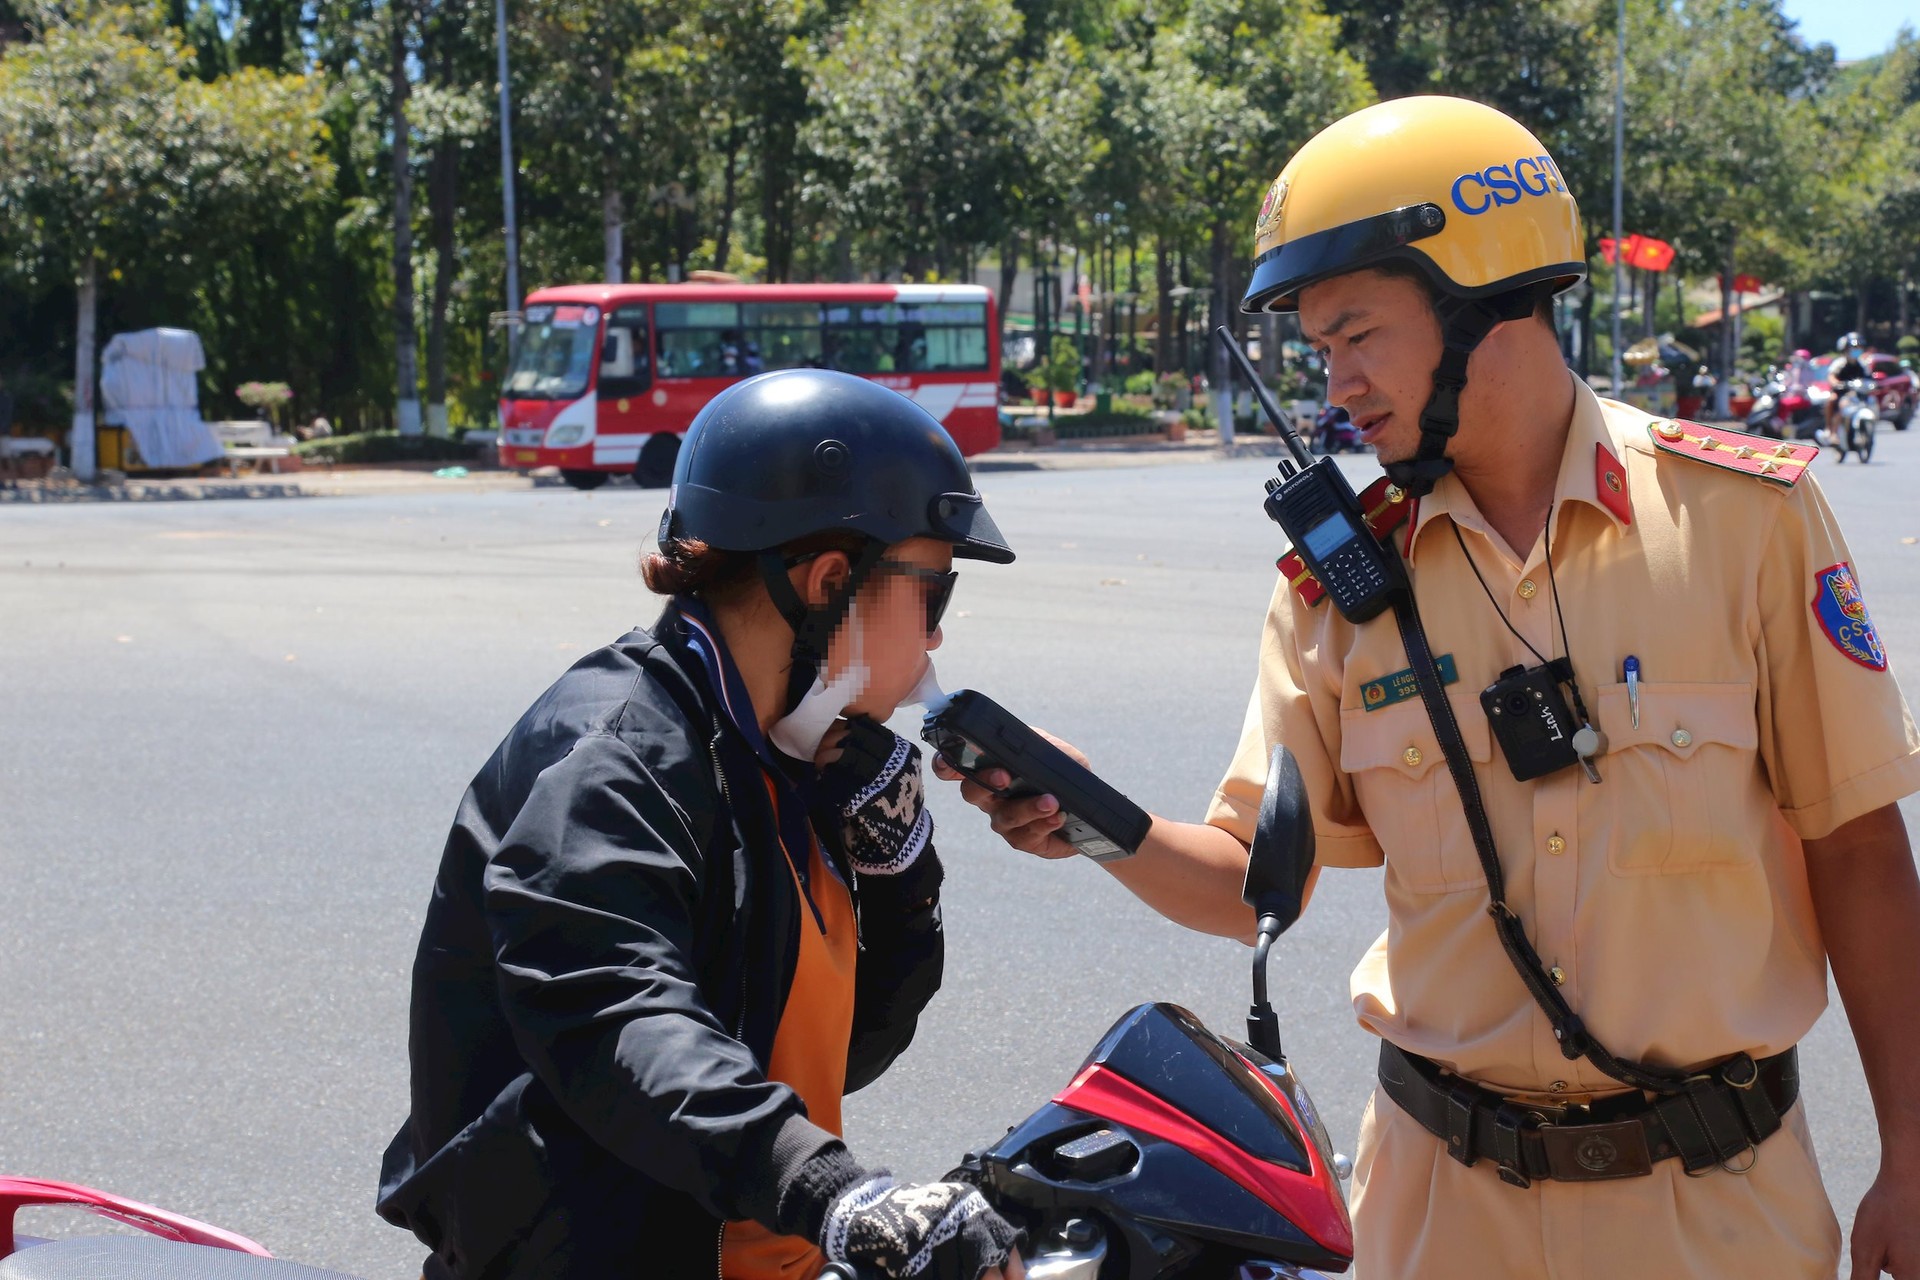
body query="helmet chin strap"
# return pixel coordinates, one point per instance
(813, 627)
(1464, 325)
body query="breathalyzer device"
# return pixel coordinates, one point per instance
(1322, 515)
(973, 733)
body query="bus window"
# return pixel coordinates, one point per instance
(626, 356)
(783, 335)
(554, 360)
(954, 348)
(890, 338)
(701, 340)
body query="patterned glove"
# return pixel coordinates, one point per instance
(936, 1230)
(876, 786)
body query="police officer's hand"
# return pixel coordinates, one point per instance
(1030, 824)
(1886, 1230)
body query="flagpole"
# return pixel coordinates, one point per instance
(1619, 149)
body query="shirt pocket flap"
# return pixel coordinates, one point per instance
(1680, 718)
(1400, 738)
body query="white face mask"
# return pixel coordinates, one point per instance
(799, 733)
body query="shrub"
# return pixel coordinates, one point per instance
(384, 446)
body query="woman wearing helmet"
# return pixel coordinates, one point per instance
(692, 900)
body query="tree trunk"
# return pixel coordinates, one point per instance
(405, 340)
(723, 241)
(1860, 306)
(1163, 309)
(1219, 372)
(1586, 335)
(1009, 274)
(1723, 385)
(442, 175)
(613, 222)
(81, 450)
(1901, 314)
(776, 198)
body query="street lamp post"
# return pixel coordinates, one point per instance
(506, 174)
(1619, 150)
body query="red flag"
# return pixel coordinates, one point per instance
(1746, 284)
(1640, 251)
(1649, 254)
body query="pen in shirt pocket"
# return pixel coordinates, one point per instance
(1632, 669)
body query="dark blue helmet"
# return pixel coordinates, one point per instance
(784, 455)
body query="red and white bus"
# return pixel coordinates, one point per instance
(606, 377)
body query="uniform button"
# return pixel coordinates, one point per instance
(1558, 1086)
(1412, 756)
(1681, 738)
(1555, 845)
(1527, 588)
(1558, 975)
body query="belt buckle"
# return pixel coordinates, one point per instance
(1596, 1152)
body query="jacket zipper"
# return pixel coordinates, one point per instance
(740, 1020)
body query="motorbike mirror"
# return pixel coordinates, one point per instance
(1282, 855)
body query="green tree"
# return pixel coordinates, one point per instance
(1235, 90)
(1715, 158)
(916, 127)
(112, 153)
(1866, 189)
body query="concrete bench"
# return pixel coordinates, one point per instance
(270, 454)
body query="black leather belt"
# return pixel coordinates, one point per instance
(1722, 1115)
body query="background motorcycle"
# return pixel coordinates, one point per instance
(1855, 421)
(1786, 413)
(1173, 1152)
(1334, 432)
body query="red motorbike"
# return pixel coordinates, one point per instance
(1788, 413)
(1172, 1153)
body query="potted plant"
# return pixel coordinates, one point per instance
(265, 398)
(1063, 373)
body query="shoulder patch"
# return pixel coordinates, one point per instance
(1387, 509)
(1842, 614)
(1780, 462)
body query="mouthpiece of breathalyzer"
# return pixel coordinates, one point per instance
(928, 693)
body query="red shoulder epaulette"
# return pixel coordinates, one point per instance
(1781, 462)
(1387, 509)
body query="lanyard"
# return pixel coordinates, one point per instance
(1575, 1040)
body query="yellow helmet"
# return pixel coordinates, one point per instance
(1456, 188)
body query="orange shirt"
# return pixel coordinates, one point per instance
(809, 1055)
(1672, 896)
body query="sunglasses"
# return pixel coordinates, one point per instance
(939, 585)
(939, 582)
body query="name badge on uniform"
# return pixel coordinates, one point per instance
(1401, 685)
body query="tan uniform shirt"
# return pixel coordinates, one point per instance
(1672, 896)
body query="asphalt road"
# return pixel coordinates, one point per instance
(233, 734)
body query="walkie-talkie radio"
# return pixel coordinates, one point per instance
(1316, 506)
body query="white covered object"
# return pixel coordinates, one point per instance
(147, 385)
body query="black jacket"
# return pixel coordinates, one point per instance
(609, 947)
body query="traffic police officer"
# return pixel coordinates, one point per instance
(1750, 746)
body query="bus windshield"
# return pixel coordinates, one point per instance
(554, 360)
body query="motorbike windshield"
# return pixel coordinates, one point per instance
(555, 358)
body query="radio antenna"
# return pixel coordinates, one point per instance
(1281, 423)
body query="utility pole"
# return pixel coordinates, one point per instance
(1619, 152)
(506, 175)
